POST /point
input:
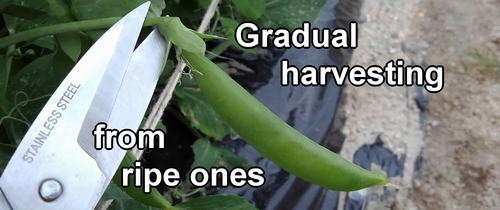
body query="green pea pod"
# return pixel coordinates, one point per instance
(272, 137)
(173, 29)
(154, 198)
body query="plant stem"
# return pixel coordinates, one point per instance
(8, 65)
(217, 18)
(218, 49)
(67, 27)
(272, 4)
(192, 192)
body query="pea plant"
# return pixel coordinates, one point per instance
(40, 42)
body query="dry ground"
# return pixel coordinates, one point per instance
(462, 143)
(461, 139)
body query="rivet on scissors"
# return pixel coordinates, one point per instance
(50, 189)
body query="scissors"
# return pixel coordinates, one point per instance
(56, 165)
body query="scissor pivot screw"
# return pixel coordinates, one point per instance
(50, 189)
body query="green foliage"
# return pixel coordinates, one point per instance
(229, 27)
(28, 91)
(187, 10)
(154, 198)
(290, 14)
(252, 10)
(70, 43)
(6, 151)
(114, 192)
(207, 155)
(200, 113)
(85, 10)
(15, 24)
(31, 69)
(219, 202)
(127, 204)
(4, 76)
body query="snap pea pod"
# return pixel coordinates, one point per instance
(154, 198)
(272, 137)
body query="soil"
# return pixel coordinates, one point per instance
(460, 139)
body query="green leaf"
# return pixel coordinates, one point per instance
(127, 204)
(157, 7)
(207, 155)
(6, 152)
(23, 12)
(35, 79)
(4, 108)
(4, 4)
(229, 27)
(167, 71)
(40, 6)
(114, 192)
(251, 9)
(86, 10)
(188, 82)
(204, 3)
(62, 63)
(70, 43)
(59, 12)
(216, 202)
(4, 77)
(187, 10)
(33, 83)
(15, 24)
(201, 115)
(159, 126)
(10, 135)
(181, 36)
(290, 14)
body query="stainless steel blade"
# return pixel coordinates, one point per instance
(131, 101)
(49, 160)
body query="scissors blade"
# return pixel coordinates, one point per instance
(49, 170)
(132, 100)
